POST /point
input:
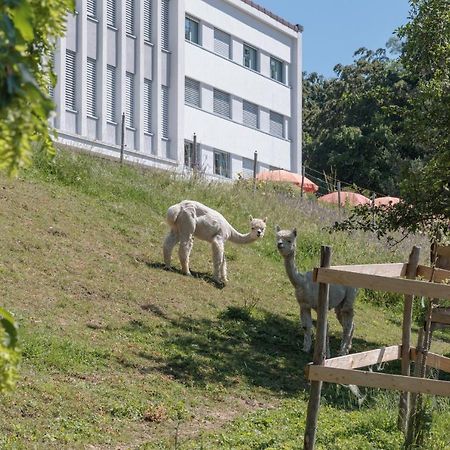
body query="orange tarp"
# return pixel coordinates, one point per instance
(351, 198)
(288, 177)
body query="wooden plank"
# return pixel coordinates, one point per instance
(364, 359)
(440, 317)
(379, 380)
(388, 270)
(379, 283)
(439, 275)
(443, 250)
(434, 360)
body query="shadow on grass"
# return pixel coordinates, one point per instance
(200, 275)
(262, 350)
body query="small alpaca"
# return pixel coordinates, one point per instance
(190, 218)
(341, 298)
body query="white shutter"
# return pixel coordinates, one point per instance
(51, 64)
(147, 106)
(70, 80)
(165, 24)
(148, 20)
(111, 93)
(111, 12)
(192, 92)
(91, 89)
(276, 124)
(91, 8)
(165, 111)
(222, 103)
(250, 114)
(222, 43)
(129, 100)
(129, 17)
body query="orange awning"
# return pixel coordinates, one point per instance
(288, 177)
(386, 201)
(351, 198)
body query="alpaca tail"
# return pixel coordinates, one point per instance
(172, 214)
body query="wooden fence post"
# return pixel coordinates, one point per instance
(404, 405)
(319, 354)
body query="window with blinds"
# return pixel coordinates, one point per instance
(51, 64)
(276, 124)
(191, 30)
(222, 164)
(129, 100)
(250, 114)
(91, 88)
(111, 13)
(91, 7)
(165, 24)
(110, 93)
(70, 80)
(276, 70)
(192, 92)
(148, 20)
(147, 106)
(165, 111)
(222, 103)
(222, 43)
(129, 17)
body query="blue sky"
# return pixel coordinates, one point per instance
(335, 29)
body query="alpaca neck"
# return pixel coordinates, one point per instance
(294, 275)
(239, 238)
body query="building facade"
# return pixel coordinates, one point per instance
(155, 76)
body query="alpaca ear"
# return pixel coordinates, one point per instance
(265, 220)
(294, 232)
(277, 228)
(250, 217)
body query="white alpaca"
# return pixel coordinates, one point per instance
(341, 298)
(190, 218)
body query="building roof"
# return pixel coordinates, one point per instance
(274, 16)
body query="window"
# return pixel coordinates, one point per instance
(222, 103)
(110, 93)
(148, 20)
(91, 8)
(222, 45)
(129, 17)
(191, 158)
(91, 88)
(250, 57)
(276, 70)
(129, 100)
(250, 114)
(165, 112)
(222, 164)
(191, 30)
(111, 12)
(70, 80)
(165, 24)
(247, 167)
(276, 124)
(192, 92)
(147, 106)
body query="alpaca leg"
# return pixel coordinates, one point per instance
(169, 243)
(345, 317)
(224, 273)
(184, 252)
(306, 321)
(218, 257)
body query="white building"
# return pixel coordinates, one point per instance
(227, 70)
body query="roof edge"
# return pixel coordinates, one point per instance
(298, 28)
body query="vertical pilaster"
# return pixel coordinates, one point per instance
(60, 88)
(157, 78)
(296, 100)
(101, 68)
(139, 76)
(121, 65)
(81, 63)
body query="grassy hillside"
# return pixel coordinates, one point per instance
(118, 353)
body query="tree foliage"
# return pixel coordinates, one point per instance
(9, 354)
(28, 29)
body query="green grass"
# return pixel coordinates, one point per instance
(118, 353)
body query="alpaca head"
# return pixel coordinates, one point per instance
(258, 227)
(286, 241)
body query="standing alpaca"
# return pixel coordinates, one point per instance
(188, 219)
(341, 298)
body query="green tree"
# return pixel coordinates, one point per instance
(28, 31)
